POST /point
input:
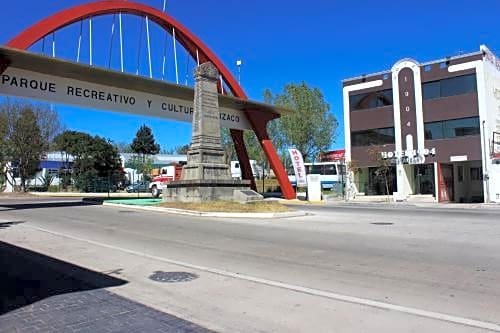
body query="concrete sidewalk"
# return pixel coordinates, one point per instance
(42, 294)
(383, 201)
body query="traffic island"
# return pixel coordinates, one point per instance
(259, 209)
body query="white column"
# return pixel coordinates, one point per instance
(403, 182)
(347, 121)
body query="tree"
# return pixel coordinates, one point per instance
(144, 143)
(4, 148)
(27, 145)
(383, 167)
(310, 127)
(123, 147)
(227, 145)
(182, 150)
(255, 151)
(26, 132)
(95, 158)
(143, 167)
(3, 133)
(71, 143)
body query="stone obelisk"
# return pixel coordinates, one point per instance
(205, 158)
(206, 176)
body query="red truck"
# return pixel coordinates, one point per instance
(167, 174)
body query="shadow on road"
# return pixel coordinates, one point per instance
(27, 277)
(51, 204)
(5, 225)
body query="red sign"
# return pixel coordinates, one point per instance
(332, 155)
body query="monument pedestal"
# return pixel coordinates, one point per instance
(203, 190)
(206, 176)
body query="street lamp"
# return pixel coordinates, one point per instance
(238, 64)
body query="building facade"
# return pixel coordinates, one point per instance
(426, 129)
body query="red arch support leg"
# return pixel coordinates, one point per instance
(259, 124)
(241, 151)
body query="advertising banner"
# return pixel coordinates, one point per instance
(298, 167)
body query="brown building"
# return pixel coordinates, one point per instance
(426, 129)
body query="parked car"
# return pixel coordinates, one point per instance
(101, 187)
(138, 187)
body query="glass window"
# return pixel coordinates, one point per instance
(431, 90)
(330, 169)
(458, 85)
(460, 170)
(461, 127)
(433, 131)
(316, 169)
(450, 87)
(476, 174)
(376, 136)
(370, 100)
(448, 129)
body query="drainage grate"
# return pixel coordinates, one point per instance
(382, 223)
(127, 211)
(172, 277)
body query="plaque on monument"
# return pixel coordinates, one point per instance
(206, 176)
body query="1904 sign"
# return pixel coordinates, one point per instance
(408, 156)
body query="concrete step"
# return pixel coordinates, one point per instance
(421, 198)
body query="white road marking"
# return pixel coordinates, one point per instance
(310, 291)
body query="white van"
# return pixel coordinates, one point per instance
(236, 170)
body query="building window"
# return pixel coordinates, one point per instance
(370, 100)
(460, 170)
(450, 87)
(454, 128)
(476, 174)
(376, 136)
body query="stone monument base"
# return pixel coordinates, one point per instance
(200, 190)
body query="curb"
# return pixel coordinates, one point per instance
(103, 195)
(208, 214)
(300, 202)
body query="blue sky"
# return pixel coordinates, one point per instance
(319, 42)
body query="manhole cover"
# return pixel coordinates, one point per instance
(382, 223)
(172, 277)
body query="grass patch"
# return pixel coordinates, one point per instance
(136, 202)
(229, 206)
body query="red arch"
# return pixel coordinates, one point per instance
(191, 43)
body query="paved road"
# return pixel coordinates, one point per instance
(441, 261)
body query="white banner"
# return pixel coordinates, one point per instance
(29, 84)
(298, 167)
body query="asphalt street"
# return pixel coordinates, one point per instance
(441, 261)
